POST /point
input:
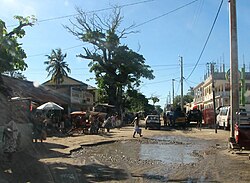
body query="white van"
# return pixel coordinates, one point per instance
(223, 117)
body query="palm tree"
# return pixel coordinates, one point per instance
(57, 67)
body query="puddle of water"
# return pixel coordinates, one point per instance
(180, 152)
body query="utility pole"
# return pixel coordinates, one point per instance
(181, 60)
(213, 89)
(169, 103)
(173, 90)
(234, 80)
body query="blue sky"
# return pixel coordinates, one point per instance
(161, 41)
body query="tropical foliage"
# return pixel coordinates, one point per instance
(12, 54)
(186, 99)
(117, 68)
(57, 68)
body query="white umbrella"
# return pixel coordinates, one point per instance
(50, 106)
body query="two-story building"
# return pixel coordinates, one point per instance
(79, 95)
(203, 92)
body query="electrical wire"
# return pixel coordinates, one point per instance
(163, 81)
(93, 11)
(72, 47)
(178, 88)
(165, 14)
(155, 18)
(210, 32)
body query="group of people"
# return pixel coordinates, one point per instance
(105, 122)
(93, 122)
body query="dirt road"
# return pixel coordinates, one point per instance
(159, 156)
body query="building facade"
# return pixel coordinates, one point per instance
(79, 95)
(203, 92)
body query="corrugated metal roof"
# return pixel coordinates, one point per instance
(40, 94)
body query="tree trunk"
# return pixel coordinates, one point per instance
(112, 95)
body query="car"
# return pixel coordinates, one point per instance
(223, 117)
(194, 116)
(180, 118)
(152, 122)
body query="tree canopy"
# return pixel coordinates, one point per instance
(12, 54)
(57, 67)
(116, 67)
(186, 99)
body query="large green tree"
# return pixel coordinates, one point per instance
(12, 54)
(57, 68)
(186, 99)
(116, 67)
(135, 101)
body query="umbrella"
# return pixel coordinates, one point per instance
(50, 106)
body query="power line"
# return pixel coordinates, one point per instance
(93, 11)
(155, 18)
(165, 14)
(72, 47)
(217, 14)
(163, 81)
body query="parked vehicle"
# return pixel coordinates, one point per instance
(152, 121)
(79, 119)
(179, 118)
(223, 117)
(208, 117)
(194, 115)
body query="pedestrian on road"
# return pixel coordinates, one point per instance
(199, 119)
(137, 129)
(165, 119)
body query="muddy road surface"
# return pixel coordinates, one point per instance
(162, 159)
(159, 156)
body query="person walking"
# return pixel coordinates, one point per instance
(199, 119)
(137, 129)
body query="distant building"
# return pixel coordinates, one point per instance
(79, 95)
(203, 93)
